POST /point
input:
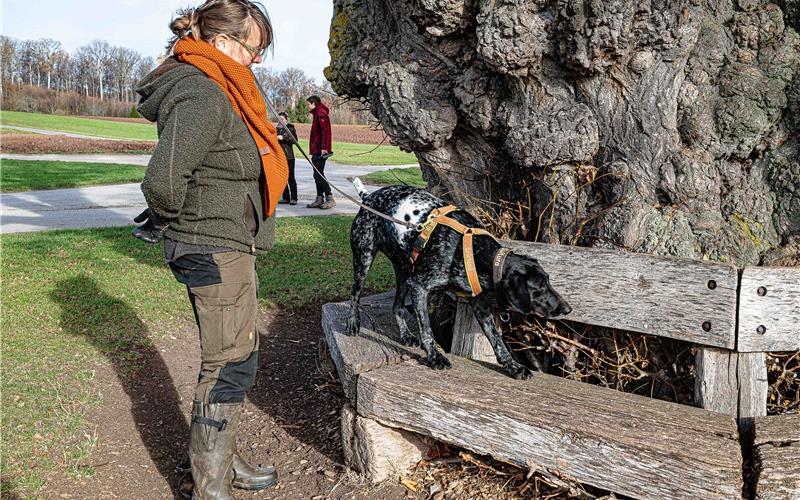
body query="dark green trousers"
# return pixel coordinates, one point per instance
(222, 288)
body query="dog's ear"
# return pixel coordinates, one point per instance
(514, 288)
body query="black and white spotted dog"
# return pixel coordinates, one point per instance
(524, 286)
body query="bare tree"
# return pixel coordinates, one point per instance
(46, 50)
(99, 52)
(63, 71)
(270, 82)
(83, 70)
(293, 83)
(27, 59)
(8, 58)
(122, 64)
(144, 66)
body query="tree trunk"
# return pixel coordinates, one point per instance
(657, 126)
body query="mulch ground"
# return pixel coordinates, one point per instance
(357, 134)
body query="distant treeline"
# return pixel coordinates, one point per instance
(100, 79)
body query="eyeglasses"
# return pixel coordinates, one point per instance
(254, 52)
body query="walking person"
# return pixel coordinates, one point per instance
(288, 140)
(211, 187)
(319, 144)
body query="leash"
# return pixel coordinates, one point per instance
(416, 227)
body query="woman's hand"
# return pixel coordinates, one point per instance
(152, 231)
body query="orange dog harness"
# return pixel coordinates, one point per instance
(439, 216)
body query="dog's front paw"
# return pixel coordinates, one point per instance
(409, 340)
(353, 325)
(518, 371)
(438, 361)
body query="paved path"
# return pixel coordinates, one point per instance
(116, 205)
(68, 134)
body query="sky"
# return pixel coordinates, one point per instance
(301, 26)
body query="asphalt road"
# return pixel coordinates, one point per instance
(116, 205)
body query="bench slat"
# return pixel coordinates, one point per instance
(664, 296)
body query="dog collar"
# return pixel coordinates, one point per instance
(499, 263)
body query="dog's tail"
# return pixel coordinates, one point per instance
(362, 191)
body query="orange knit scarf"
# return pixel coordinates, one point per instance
(240, 85)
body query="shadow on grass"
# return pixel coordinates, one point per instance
(116, 331)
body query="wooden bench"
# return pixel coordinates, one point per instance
(734, 317)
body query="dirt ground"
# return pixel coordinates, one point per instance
(291, 419)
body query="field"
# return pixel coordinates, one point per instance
(410, 175)
(352, 144)
(28, 175)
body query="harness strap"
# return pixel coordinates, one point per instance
(439, 216)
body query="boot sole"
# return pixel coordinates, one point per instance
(255, 487)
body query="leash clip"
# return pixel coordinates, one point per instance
(505, 317)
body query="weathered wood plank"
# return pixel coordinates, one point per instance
(731, 383)
(369, 350)
(753, 386)
(376, 451)
(629, 444)
(469, 341)
(769, 309)
(777, 445)
(666, 296)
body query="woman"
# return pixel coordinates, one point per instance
(319, 144)
(287, 135)
(211, 188)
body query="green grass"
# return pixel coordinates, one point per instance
(410, 175)
(27, 175)
(76, 125)
(81, 301)
(367, 154)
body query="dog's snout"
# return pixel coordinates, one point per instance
(558, 306)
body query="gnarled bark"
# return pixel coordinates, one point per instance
(654, 126)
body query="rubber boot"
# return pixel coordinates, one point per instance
(212, 445)
(328, 203)
(316, 203)
(249, 477)
(245, 476)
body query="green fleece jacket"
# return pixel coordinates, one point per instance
(205, 175)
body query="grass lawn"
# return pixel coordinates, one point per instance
(27, 175)
(410, 175)
(81, 300)
(75, 125)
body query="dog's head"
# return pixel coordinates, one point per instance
(525, 288)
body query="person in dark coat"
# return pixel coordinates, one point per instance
(288, 140)
(319, 144)
(211, 188)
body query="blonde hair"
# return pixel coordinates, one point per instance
(222, 17)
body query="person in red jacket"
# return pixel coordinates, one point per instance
(319, 144)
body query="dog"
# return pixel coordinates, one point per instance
(524, 286)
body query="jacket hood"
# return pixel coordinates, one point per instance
(155, 86)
